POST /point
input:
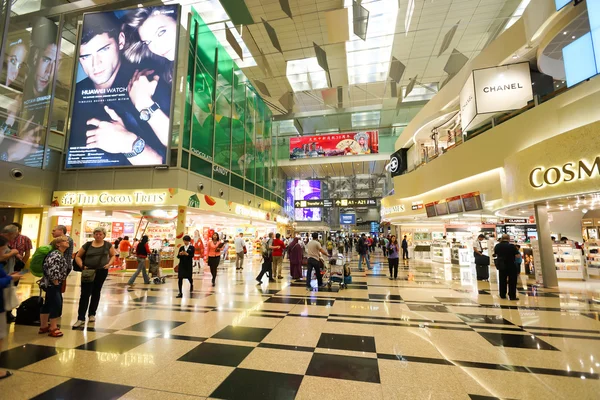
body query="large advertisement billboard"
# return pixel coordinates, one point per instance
(31, 58)
(121, 112)
(336, 144)
(305, 190)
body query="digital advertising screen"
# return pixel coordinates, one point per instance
(430, 209)
(335, 144)
(472, 201)
(455, 205)
(441, 208)
(305, 190)
(121, 108)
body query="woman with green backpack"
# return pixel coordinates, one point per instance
(56, 270)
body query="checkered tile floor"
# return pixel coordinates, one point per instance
(424, 336)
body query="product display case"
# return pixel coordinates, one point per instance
(421, 251)
(568, 261)
(440, 252)
(592, 256)
(167, 257)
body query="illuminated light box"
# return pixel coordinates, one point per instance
(493, 90)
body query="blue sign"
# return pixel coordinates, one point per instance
(561, 3)
(347, 219)
(374, 227)
(582, 56)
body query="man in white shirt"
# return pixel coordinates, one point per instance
(239, 251)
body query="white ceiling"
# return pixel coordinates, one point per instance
(480, 21)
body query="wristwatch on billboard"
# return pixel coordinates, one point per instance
(146, 113)
(138, 147)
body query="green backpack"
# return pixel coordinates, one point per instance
(36, 265)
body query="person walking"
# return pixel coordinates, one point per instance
(506, 254)
(56, 269)
(124, 249)
(393, 252)
(225, 250)
(314, 249)
(240, 246)
(405, 248)
(267, 255)
(141, 253)
(295, 254)
(214, 255)
(278, 248)
(362, 248)
(185, 267)
(94, 258)
(6, 280)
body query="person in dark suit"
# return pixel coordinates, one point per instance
(508, 272)
(185, 267)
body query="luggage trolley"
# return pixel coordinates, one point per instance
(335, 272)
(154, 268)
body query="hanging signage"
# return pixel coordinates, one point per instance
(494, 90)
(336, 144)
(121, 112)
(417, 205)
(347, 219)
(328, 203)
(581, 57)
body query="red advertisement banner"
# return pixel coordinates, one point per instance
(335, 144)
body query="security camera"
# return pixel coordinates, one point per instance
(221, 192)
(259, 205)
(16, 173)
(249, 202)
(200, 187)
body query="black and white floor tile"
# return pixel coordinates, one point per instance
(421, 336)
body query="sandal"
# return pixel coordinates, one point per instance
(55, 333)
(44, 330)
(8, 374)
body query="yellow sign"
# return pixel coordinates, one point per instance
(112, 199)
(539, 176)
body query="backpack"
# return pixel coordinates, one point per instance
(36, 265)
(28, 312)
(329, 245)
(264, 250)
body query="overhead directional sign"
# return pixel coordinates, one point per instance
(328, 203)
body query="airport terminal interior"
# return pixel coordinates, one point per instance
(299, 199)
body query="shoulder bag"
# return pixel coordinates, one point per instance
(11, 301)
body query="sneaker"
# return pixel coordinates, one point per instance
(92, 318)
(179, 296)
(78, 324)
(280, 277)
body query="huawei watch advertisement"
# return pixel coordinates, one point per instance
(121, 113)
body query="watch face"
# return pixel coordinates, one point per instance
(145, 115)
(139, 145)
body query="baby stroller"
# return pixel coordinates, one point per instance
(154, 268)
(339, 271)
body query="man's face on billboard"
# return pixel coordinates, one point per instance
(44, 70)
(100, 59)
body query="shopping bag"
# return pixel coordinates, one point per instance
(11, 301)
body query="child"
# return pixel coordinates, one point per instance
(518, 258)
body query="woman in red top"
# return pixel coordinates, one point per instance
(214, 255)
(141, 253)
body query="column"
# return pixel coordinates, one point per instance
(180, 230)
(545, 244)
(76, 231)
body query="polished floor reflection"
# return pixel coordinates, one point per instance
(431, 334)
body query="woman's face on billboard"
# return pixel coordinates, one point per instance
(16, 57)
(159, 33)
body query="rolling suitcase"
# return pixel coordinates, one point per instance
(483, 272)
